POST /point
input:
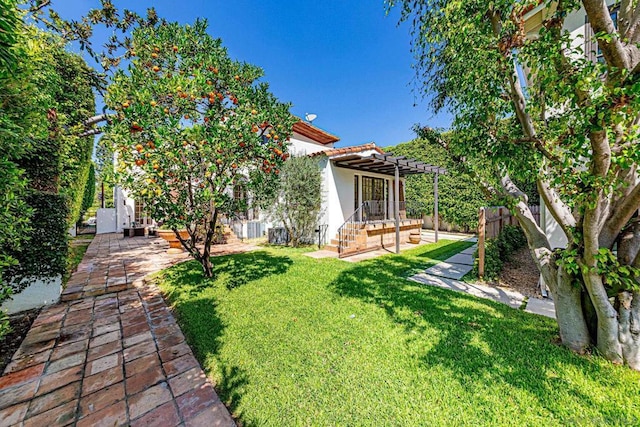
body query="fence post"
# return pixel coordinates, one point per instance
(481, 231)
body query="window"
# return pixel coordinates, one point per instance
(240, 200)
(140, 216)
(373, 191)
(591, 47)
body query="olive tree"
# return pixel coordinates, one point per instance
(299, 199)
(573, 128)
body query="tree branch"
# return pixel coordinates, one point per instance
(39, 7)
(621, 215)
(613, 50)
(559, 211)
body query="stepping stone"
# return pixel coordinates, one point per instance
(543, 307)
(510, 298)
(470, 250)
(450, 271)
(461, 258)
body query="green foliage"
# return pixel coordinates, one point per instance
(45, 255)
(511, 239)
(493, 263)
(619, 277)
(89, 191)
(75, 104)
(499, 250)
(43, 163)
(10, 27)
(190, 124)
(299, 200)
(5, 326)
(459, 197)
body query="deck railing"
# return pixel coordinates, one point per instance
(372, 211)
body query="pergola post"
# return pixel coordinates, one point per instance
(396, 204)
(435, 207)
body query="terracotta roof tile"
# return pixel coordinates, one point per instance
(314, 133)
(348, 150)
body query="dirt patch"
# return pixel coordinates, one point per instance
(20, 324)
(520, 274)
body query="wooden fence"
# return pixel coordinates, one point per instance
(491, 222)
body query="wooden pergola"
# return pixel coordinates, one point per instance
(397, 166)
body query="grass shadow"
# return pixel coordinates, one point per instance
(230, 271)
(480, 342)
(189, 292)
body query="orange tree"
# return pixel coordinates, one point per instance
(190, 123)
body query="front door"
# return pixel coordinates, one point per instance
(373, 194)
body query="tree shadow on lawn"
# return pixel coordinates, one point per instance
(514, 347)
(197, 312)
(230, 271)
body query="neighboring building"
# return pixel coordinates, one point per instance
(582, 36)
(358, 196)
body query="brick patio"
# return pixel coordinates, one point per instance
(112, 353)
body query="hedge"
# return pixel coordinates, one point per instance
(45, 247)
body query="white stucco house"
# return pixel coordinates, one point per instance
(582, 36)
(358, 209)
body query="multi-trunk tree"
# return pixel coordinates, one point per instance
(189, 124)
(533, 106)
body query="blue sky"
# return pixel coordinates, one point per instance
(345, 61)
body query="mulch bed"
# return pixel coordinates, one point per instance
(520, 274)
(20, 324)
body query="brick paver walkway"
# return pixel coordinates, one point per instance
(112, 354)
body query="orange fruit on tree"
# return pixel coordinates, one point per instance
(156, 68)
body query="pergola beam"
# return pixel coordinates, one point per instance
(396, 166)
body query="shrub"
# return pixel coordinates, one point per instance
(299, 202)
(499, 250)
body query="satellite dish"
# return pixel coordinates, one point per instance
(310, 117)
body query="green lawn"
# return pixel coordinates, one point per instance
(290, 340)
(77, 248)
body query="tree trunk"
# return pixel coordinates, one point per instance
(607, 340)
(569, 314)
(570, 317)
(207, 266)
(629, 329)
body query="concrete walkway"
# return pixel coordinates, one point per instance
(112, 354)
(447, 274)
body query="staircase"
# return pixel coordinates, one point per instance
(229, 236)
(352, 236)
(351, 240)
